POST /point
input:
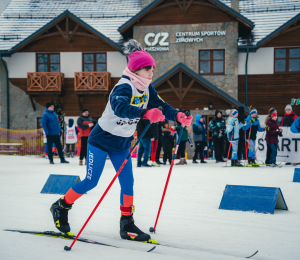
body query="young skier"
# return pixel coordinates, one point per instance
(132, 98)
(168, 144)
(252, 128)
(71, 137)
(232, 128)
(273, 131)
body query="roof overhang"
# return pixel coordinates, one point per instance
(240, 18)
(59, 18)
(211, 87)
(282, 29)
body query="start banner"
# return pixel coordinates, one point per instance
(288, 146)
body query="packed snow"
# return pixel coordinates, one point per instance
(190, 222)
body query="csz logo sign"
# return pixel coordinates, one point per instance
(156, 42)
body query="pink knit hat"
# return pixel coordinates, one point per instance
(140, 59)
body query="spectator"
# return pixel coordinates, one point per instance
(241, 147)
(160, 126)
(71, 137)
(289, 116)
(145, 143)
(85, 123)
(295, 128)
(168, 144)
(182, 144)
(199, 138)
(154, 143)
(52, 129)
(218, 128)
(272, 137)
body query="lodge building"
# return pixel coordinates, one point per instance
(209, 54)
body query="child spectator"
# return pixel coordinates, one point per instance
(272, 137)
(168, 144)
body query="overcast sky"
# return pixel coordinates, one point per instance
(3, 4)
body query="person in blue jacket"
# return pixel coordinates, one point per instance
(52, 130)
(199, 138)
(132, 98)
(252, 128)
(295, 127)
(233, 128)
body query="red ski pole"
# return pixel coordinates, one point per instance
(151, 229)
(229, 150)
(246, 148)
(109, 186)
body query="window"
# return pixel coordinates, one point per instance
(94, 62)
(287, 60)
(211, 62)
(48, 62)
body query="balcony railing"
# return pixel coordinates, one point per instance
(45, 81)
(92, 81)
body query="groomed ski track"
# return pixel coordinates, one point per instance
(190, 218)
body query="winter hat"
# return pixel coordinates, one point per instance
(217, 112)
(234, 112)
(253, 111)
(138, 58)
(288, 107)
(48, 104)
(84, 110)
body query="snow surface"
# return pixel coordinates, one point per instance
(190, 218)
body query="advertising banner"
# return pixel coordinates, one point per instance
(288, 146)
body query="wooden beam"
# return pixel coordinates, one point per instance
(62, 33)
(292, 28)
(188, 5)
(188, 88)
(174, 89)
(79, 102)
(73, 32)
(67, 29)
(32, 103)
(86, 35)
(208, 93)
(179, 4)
(183, 6)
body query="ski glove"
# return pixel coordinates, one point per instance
(252, 120)
(183, 119)
(154, 115)
(267, 128)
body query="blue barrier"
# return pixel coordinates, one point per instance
(296, 175)
(252, 198)
(59, 184)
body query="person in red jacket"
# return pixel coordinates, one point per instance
(85, 124)
(289, 116)
(273, 131)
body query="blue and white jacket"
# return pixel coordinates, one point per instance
(254, 128)
(295, 127)
(233, 128)
(115, 129)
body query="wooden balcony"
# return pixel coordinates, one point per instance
(41, 83)
(92, 82)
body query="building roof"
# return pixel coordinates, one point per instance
(267, 15)
(151, 6)
(22, 18)
(58, 18)
(203, 81)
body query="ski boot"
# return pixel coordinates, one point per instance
(59, 211)
(72, 154)
(235, 163)
(129, 231)
(68, 155)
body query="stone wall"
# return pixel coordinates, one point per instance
(144, 3)
(22, 116)
(188, 53)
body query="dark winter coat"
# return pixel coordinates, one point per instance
(185, 135)
(155, 130)
(167, 140)
(272, 133)
(288, 119)
(217, 124)
(254, 128)
(83, 124)
(141, 126)
(242, 117)
(50, 123)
